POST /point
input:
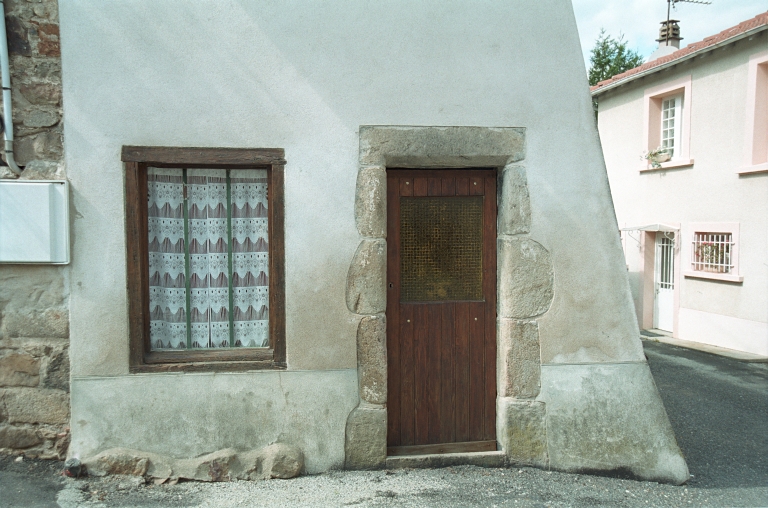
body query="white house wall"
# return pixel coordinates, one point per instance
(709, 191)
(304, 76)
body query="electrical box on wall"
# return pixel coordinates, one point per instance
(34, 221)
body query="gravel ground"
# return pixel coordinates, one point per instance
(448, 487)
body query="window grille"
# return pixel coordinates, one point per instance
(665, 263)
(711, 252)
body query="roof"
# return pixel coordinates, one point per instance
(728, 36)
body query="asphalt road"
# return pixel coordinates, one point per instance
(719, 411)
(717, 406)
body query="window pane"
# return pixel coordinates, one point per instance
(167, 280)
(250, 258)
(668, 128)
(208, 258)
(217, 241)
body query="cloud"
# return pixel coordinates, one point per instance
(639, 20)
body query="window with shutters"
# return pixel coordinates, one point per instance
(205, 264)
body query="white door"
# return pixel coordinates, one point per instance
(664, 281)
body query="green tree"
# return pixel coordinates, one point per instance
(610, 57)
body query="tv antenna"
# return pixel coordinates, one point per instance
(672, 3)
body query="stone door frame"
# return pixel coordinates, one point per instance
(524, 283)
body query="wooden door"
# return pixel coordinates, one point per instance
(441, 310)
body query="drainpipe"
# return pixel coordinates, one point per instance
(7, 110)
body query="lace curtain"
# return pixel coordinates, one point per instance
(208, 258)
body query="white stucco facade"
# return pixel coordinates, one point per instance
(304, 77)
(719, 186)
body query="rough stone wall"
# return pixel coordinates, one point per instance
(34, 315)
(33, 46)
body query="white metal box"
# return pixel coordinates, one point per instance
(34, 221)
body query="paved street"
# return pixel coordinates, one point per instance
(718, 407)
(719, 410)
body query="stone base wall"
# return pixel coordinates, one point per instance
(34, 361)
(34, 315)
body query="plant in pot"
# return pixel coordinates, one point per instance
(713, 257)
(656, 156)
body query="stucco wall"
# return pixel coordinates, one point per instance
(304, 76)
(708, 191)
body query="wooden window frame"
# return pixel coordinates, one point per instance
(137, 159)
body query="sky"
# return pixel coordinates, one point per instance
(639, 20)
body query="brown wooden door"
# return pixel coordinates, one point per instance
(441, 310)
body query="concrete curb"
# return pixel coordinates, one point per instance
(707, 348)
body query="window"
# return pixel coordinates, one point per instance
(711, 252)
(205, 258)
(670, 113)
(756, 142)
(667, 122)
(714, 252)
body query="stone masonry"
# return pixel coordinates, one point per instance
(525, 283)
(34, 314)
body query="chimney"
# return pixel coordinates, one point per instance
(669, 39)
(669, 34)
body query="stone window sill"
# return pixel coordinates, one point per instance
(727, 277)
(676, 163)
(756, 168)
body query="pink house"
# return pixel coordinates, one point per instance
(694, 218)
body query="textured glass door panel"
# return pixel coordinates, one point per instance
(441, 248)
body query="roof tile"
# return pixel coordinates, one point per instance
(744, 26)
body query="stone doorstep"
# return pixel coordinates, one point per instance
(480, 459)
(743, 356)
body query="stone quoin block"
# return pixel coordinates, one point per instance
(31, 405)
(366, 292)
(366, 438)
(522, 431)
(525, 278)
(43, 94)
(18, 437)
(514, 201)
(37, 119)
(27, 287)
(371, 202)
(56, 371)
(43, 145)
(19, 369)
(372, 359)
(518, 359)
(34, 323)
